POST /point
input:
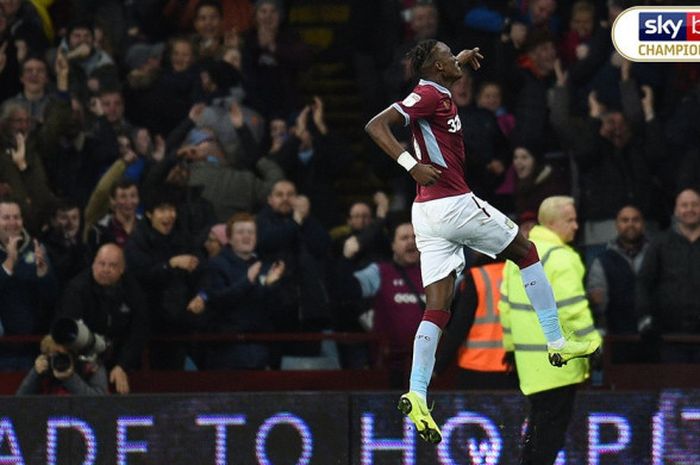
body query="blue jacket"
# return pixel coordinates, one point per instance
(236, 304)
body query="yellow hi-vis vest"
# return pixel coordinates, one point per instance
(521, 329)
(483, 348)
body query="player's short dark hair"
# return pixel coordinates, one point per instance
(421, 54)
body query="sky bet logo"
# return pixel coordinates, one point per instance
(658, 34)
(667, 26)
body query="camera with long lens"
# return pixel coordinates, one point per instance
(78, 338)
(61, 362)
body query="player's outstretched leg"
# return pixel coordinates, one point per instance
(539, 291)
(414, 403)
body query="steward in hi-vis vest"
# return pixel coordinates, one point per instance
(550, 390)
(483, 347)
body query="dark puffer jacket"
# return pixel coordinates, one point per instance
(667, 284)
(168, 290)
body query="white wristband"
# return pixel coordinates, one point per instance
(407, 161)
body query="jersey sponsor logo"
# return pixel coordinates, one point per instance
(405, 298)
(411, 100)
(455, 124)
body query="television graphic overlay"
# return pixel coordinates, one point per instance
(658, 34)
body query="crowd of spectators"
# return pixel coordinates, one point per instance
(161, 171)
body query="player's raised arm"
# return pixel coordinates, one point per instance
(470, 57)
(379, 129)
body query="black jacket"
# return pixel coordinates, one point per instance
(195, 214)
(316, 177)
(168, 290)
(525, 91)
(118, 312)
(484, 142)
(668, 282)
(611, 177)
(304, 250)
(67, 259)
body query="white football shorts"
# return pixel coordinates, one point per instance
(444, 226)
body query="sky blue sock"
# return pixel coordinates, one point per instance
(424, 346)
(541, 297)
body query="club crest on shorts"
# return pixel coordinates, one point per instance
(509, 223)
(411, 100)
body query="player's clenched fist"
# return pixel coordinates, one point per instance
(425, 175)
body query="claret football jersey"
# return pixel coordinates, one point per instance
(437, 138)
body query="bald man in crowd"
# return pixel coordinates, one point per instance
(110, 303)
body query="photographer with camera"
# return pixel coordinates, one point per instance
(112, 306)
(59, 371)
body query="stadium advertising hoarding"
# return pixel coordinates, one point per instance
(328, 429)
(212, 429)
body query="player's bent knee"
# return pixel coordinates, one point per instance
(530, 258)
(438, 317)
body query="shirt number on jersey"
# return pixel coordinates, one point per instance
(455, 124)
